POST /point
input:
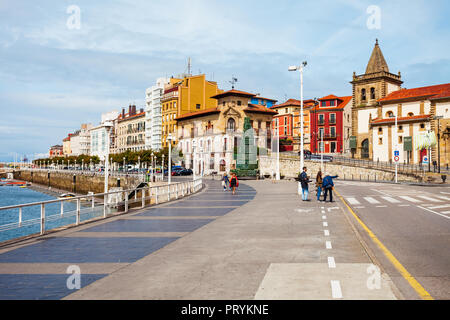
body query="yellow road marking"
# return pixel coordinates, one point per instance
(408, 277)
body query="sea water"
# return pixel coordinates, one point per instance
(14, 195)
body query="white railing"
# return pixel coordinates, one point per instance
(95, 206)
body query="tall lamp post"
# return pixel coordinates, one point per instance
(439, 141)
(108, 126)
(300, 68)
(169, 166)
(396, 146)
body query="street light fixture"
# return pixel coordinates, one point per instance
(169, 167)
(108, 125)
(300, 68)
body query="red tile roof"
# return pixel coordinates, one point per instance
(294, 102)
(198, 114)
(127, 117)
(432, 92)
(233, 93)
(259, 109)
(341, 105)
(401, 119)
(329, 97)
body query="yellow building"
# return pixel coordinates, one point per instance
(183, 96)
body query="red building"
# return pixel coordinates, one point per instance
(56, 151)
(328, 119)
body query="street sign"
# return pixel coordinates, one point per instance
(396, 153)
(407, 143)
(425, 159)
(396, 158)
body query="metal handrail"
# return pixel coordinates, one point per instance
(161, 193)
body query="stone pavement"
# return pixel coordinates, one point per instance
(263, 243)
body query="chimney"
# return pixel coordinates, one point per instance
(123, 113)
(141, 110)
(134, 109)
(130, 110)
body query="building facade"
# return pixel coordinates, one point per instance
(130, 130)
(416, 110)
(67, 151)
(330, 131)
(153, 114)
(287, 122)
(215, 133)
(182, 96)
(80, 141)
(56, 151)
(99, 136)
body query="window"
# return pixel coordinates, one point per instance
(410, 114)
(400, 139)
(231, 124)
(239, 102)
(380, 130)
(286, 110)
(400, 128)
(422, 126)
(333, 132)
(380, 140)
(372, 93)
(389, 114)
(321, 119)
(197, 106)
(332, 103)
(363, 94)
(332, 118)
(323, 104)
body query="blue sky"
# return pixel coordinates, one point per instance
(53, 78)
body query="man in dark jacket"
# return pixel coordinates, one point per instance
(304, 180)
(328, 185)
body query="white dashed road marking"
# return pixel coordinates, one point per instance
(352, 201)
(440, 207)
(336, 291)
(331, 263)
(429, 199)
(410, 199)
(328, 244)
(391, 200)
(325, 224)
(326, 232)
(371, 200)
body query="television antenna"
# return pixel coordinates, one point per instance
(233, 82)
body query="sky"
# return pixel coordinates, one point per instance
(55, 76)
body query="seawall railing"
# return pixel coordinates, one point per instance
(38, 218)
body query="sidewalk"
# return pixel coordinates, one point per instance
(263, 243)
(273, 247)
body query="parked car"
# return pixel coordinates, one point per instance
(318, 157)
(177, 171)
(186, 172)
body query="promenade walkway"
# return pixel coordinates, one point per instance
(262, 243)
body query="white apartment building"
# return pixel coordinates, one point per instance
(80, 141)
(98, 135)
(153, 114)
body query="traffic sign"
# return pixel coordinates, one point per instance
(396, 158)
(396, 153)
(425, 159)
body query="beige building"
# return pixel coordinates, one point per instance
(215, 132)
(130, 130)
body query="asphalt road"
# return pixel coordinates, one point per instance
(413, 223)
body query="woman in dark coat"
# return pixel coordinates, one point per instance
(234, 182)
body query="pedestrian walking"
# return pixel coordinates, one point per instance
(319, 181)
(225, 181)
(304, 180)
(328, 185)
(234, 183)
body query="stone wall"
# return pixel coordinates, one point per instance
(289, 168)
(81, 183)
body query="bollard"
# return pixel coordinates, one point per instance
(143, 198)
(42, 218)
(126, 202)
(78, 212)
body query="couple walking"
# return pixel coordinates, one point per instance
(233, 183)
(325, 184)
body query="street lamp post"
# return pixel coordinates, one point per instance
(162, 167)
(396, 147)
(169, 167)
(108, 126)
(439, 142)
(300, 68)
(193, 161)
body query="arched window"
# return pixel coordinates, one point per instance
(365, 149)
(223, 166)
(389, 114)
(363, 94)
(410, 114)
(231, 124)
(372, 93)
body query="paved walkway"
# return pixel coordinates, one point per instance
(263, 243)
